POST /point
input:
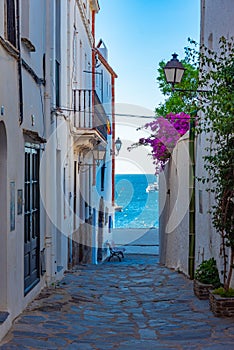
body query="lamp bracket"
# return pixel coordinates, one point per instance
(187, 90)
(87, 71)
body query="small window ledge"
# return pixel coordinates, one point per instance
(28, 44)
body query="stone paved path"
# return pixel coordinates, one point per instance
(134, 304)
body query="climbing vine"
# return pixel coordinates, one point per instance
(217, 124)
(165, 132)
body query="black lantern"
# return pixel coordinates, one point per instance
(174, 70)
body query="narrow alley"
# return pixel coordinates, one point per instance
(132, 304)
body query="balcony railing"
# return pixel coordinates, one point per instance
(84, 116)
(82, 108)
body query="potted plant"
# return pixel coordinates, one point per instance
(222, 301)
(206, 278)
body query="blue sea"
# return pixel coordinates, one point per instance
(140, 209)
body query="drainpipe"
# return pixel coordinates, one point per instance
(50, 172)
(95, 209)
(21, 107)
(113, 138)
(192, 204)
(93, 85)
(93, 65)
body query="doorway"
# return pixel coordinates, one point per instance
(31, 219)
(3, 217)
(100, 229)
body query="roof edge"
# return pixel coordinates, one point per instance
(106, 64)
(94, 5)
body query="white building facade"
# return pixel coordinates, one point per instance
(89, 113)
(23, 129)
(216, 21)
(56, 136)
(174, 199)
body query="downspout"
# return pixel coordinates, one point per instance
(202, 21)
(93, 83)
(192, 203)
(192, 168)
(94, 249)
(21, 106)
(93, 65)
(49, 176)
(113, 138)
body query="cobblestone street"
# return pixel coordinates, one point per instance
(133, 304)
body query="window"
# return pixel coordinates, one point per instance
(58, 30)
(57, 51)
(10, 25)
(64, 193)
(57, 83)
(210, 41)
(108, 89)
(25, 18)
(103, 177)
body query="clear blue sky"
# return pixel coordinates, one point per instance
(138, 35)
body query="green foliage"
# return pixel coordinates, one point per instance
(207, 273)
(213, 72)
(216, 79)
(224, 293)
(177, 101)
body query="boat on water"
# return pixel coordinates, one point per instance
(152, 187)
(118, 208)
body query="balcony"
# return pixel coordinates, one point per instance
(89, 122)
(82, 109)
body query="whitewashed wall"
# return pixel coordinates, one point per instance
(12, 297)
(174, 209)
(104, 92)
(216, 21)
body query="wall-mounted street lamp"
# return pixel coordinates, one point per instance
(118, 145)
(98, 153)
(174, 71)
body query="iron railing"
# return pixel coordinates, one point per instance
(84, 116)
(82, 105)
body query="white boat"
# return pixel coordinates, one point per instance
(118, 208)
(152, 187)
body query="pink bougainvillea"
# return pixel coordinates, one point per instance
(165, 134)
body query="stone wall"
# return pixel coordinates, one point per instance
(221, 306)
